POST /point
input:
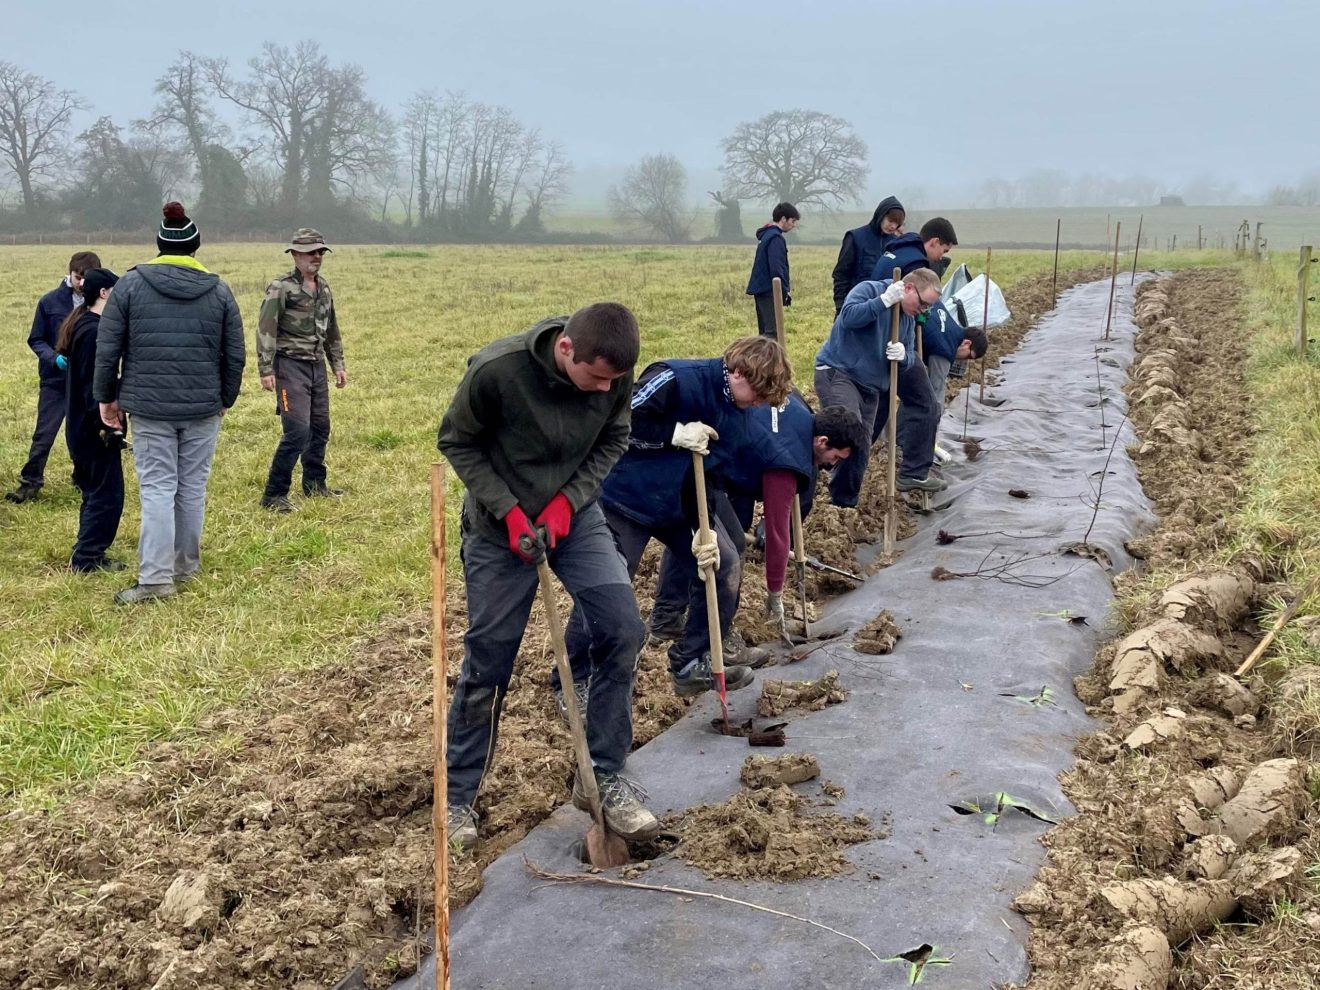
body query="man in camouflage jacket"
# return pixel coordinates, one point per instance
(296, 332)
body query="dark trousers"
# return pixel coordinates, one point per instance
(918, 421)
(910, 436)
(835, 388)
(500, 589)
(631, 537)
(50, 414)
(302, 399)
(99, 475)
(675, 587)
(765, 314)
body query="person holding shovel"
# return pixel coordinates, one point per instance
(852, 370)
(536, 423)
(681, 407)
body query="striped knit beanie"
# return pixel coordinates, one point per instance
(177, 233)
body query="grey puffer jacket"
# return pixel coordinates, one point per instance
(170, 345)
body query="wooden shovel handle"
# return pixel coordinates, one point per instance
(712, 599)
(439, 714)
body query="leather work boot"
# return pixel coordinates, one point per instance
(278, 503)
(319, 489)
(144, 593)
(744, 655)
(23, 493)
(926, 484)
(621, 802)
(697, 677)
(582, 689)
(461, 824)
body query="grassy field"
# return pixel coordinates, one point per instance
(1285, 227)
(84, 684)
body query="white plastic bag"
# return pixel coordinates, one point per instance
(972, 296)
(957, 280)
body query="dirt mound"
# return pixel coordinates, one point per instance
(767, 834)
(1183, 819)
(879, 636)
(778, 697)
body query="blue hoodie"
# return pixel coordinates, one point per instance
(907, 252)
(861, 249)
(771, 260)
(856, 344)
(941, 333)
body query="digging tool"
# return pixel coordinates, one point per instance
(777, 287)
(820, 565)
(985, 321)
(712, 598)
(891, 513)
(439, 710)
(1284, 618)
(605, 850)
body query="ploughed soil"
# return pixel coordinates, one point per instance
(292, 843)
(1191, 862)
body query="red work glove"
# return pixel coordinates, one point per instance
(556, 518)
(520, 528)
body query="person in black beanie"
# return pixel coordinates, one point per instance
(94, 449)
(170, 351)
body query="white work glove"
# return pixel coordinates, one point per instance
(774, 605)
(895, 351)
(707, 554)
(893, 294)
(695, 437)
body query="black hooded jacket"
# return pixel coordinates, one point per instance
(860, 250)
(170, 345)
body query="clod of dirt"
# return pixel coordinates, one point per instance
(1182, 647)
(1267, 806)
(772, 771)
(942, 574)
(1179, 910)
(1090, 551)
(1167, 824)
(1261, 880)
(1138, 958)
(1019, 493)
(1214, 602)
(192, 903)
(778, 697)
(971, 449)
(766, 834)
(832, 790)
(1156, 731)
(1223, 692)
(1209, 857)
(878, 636)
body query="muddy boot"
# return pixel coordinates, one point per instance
(461, 824)
(23, 493)
(582, 689)
(697, 677)
(665, 626)
(744, 655)
(319, 489)
(144, 593)
(621, 801)
(278, 503)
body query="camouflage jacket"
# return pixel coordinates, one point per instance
(295, 323)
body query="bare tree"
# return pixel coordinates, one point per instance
(653, 196)
(547, 182)
(795, 156)
(34, 121)
(352, 137)
(121, 183)
(184, 109)
(420, 119)
(728, 218)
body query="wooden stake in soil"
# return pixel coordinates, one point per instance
(1054, 282)
(1113, 280)
(712, 597)
(799, 552)
(1303, 273)
(439, 711)
(985, 319)
(891, 428)
(1137, 250)
(1279, 623)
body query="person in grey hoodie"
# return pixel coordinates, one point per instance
(170, 353)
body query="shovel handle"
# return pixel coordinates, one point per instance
(576, 728)
(891, 428)
(712, 599)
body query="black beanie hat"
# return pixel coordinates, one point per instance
(96, 279)
(177, 233)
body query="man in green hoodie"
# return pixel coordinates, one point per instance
(533, 429)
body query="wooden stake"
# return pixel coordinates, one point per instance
(985, 319)
(1255, 247)
(1054, 282)
(1279, 623)
(1137, 250)
(1303, 273)
(777, 287)
(439, 711)
(891, 427)
(1198, 237)
(799, 551)
(1113, 280)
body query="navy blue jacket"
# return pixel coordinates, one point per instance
(860, 250)
(856, 344)
(179, 337)
(941, 333)
(652, 482)
(52, 309)
(771, 260)
(771, 440)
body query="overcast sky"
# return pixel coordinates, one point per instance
(944, 93)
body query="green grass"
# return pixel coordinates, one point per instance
(85, 684)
